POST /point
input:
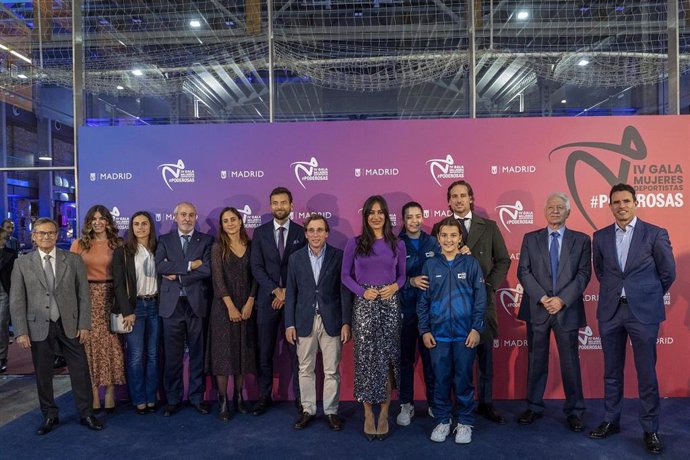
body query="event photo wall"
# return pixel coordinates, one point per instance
(331, 168)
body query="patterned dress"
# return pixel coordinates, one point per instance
(376, 323)
(232, 347)
(103, 348)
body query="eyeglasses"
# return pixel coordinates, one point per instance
(44, 235)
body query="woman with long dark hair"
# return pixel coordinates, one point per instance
(103, 350)
(232, 341)
(374, 270)
(136, 297)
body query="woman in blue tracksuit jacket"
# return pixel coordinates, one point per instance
(420, 247)
(451, 317)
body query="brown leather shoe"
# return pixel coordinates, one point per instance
(303, 421)
(334, 422)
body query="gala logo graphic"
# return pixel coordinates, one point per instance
(587, 339)
(445, 168)
(309, 171)
(248, 219)
(510, 299)
(176, 173)
(514, 215)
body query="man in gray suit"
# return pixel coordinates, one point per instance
(51, 308)
(555, 268)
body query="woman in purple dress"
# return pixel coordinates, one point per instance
(374, 270)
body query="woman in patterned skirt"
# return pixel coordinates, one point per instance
(103, 350)
(374, 270)
(232, 340)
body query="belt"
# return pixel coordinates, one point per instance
(623, 300)
(147, 297)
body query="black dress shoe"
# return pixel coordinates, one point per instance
(92, 423)
(604, 430)
(171, 409)
(238, 403)
(652, 443)
(59, 362)
(3, 365)
(334, 422)
(202, 407)
(303, 421)
(47, 425)
(261, 406)
(528, 417)
(575, 423)
(298, 406)
(488, 412)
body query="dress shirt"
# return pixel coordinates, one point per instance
(467, 223)
(623, 238)
(52, 255)
(316, 263)
(561, 232)
(276, 232)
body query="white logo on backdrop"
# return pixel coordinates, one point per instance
(510, 299)
(309, 171)
(176, 173)
(514, 215)
(441, 168)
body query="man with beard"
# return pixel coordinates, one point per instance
(272, 245)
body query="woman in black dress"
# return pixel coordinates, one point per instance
(232, 338)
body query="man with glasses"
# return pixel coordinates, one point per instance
(51, 307)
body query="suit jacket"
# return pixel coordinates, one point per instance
(125, 282)
(171, 261)
(574, 273)
(30, 298)
(267, 266)
(302, 293)
(488, 247)
(650, 269)
(7, 258)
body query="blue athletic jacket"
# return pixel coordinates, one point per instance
(409, 295)
(455, 302)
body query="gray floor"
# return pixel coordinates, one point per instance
(18, 394)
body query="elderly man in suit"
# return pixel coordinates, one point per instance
(272, 245)
(634, 264)
(51, 308)
(555, 268)
(483, 240)
(183, 258)
(317, 316)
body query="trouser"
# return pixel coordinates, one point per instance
(307, 349)
(142, 353)
(269, 325)
(410, 341)
(452, 363)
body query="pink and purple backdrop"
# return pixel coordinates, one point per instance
(512, 164)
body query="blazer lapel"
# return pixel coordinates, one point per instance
(477, 227)
(60, 267)
(543, 245)
(328, 259)
(289, 239)
(635, 244)
(566, 249)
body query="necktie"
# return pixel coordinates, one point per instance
(463, 229)
(281, 241)
(50, 278)
(185, 244)
(553, 252)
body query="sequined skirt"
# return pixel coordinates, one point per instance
(376, 330)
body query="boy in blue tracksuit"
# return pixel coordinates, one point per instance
(451, 317)
(420, 247)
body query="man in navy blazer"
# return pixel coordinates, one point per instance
(272, 245)
(183, 258)
(633, 261)
(555, 268)
(317, 315)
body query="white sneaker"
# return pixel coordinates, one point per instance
(405, 415)
(463, 434)
(441, 432)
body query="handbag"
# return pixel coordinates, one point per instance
(117, 320)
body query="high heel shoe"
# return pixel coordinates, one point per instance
(223, 413)
(238, 403)
(380, 434)
(369, 435)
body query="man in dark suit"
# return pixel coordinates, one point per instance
(317, 316)
(51, 308)
(484, 241)
(634, 264)
(183, 258)
(555, 268)
(272, 245)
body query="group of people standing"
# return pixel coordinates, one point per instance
(393, 295)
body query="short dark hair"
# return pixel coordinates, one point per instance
(280, 191)
(450, 222)
(408, 205)
(622, 188)
(44, 220)
(312, 217)
(467, 185)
